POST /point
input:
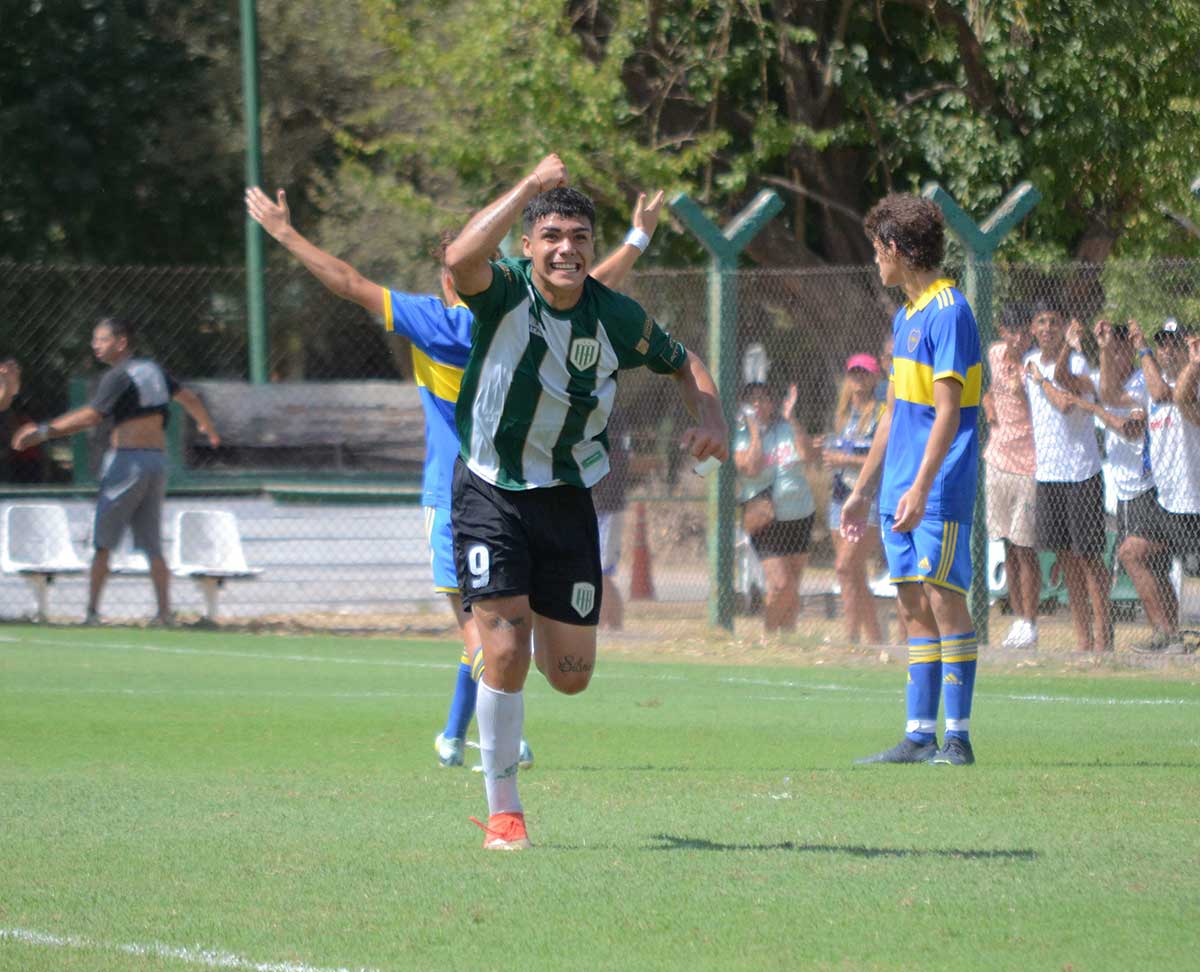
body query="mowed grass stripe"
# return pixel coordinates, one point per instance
(270, 808)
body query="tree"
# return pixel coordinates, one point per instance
(832, 103)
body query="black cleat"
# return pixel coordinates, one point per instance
(905, 751)
(954, 752)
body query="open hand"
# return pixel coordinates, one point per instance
(645, 214)
(274, 217)
(1075, 334)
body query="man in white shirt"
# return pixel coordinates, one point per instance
(1069, 508)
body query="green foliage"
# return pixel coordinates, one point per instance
(121, 123)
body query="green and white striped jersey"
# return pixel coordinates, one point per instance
(539, 383)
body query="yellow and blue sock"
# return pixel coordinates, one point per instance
(924, 688)
(960, 653)
(462, 704)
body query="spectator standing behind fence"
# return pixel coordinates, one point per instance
(1172, 371)
(770, 450)
(1142, 544)
(135, 394)
(855, 421)
(1010, 466)
(1069, 514)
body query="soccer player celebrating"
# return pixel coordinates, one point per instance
(928, 450)
(532, 416)
(440, 332)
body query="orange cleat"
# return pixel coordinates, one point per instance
(505, 831)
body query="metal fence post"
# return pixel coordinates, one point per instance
(256, 302)
(723, 247)
(979, 243)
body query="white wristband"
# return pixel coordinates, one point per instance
(638, 238)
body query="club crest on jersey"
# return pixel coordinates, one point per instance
(583, 598)
(584, 353)
(914, 338)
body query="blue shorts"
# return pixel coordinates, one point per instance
(936, 552)
(441, 549)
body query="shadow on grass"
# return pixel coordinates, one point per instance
(670, 842)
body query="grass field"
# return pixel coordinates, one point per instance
(185, 800)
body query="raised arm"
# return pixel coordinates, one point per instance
(467, 258)
(1186, 390)
(1112, 391)
(710, 436)
(750, 461)
(1064, 377)
(616, 265)
(1060, 398)
(1157, 388)
(195, 408)
(337, 275)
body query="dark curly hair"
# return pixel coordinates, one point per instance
(445, 238)
(913, 223)
(559, 202)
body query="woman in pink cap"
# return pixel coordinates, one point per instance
(858, 412)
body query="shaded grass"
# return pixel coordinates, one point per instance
(276, 798)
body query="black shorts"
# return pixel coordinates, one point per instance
(783, 538)
(1182, 532)
(542, 543)
(1070, 516)
(1143, 517)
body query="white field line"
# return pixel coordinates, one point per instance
(1055, 699)
(225, 653)
(641, 677)
(196, 955)
(215, 693)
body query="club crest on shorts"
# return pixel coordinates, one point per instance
(584, 353)
(583, 598)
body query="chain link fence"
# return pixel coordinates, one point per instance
(322, 466)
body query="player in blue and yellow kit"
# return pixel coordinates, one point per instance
(928, 448)
(440, 332)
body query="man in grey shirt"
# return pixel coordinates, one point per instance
(135, 394)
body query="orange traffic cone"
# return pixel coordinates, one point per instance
(641, 584)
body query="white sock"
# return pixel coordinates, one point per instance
(501, 719)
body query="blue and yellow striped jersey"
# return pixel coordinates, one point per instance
(935, 337)
(441, 342)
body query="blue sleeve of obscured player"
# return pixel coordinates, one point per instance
(443, 333)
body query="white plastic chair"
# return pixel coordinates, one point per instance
(127, 561)
(208, 549)
(37, 546)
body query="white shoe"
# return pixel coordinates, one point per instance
(449, 751)
(1014, 634)
(1024, 637)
